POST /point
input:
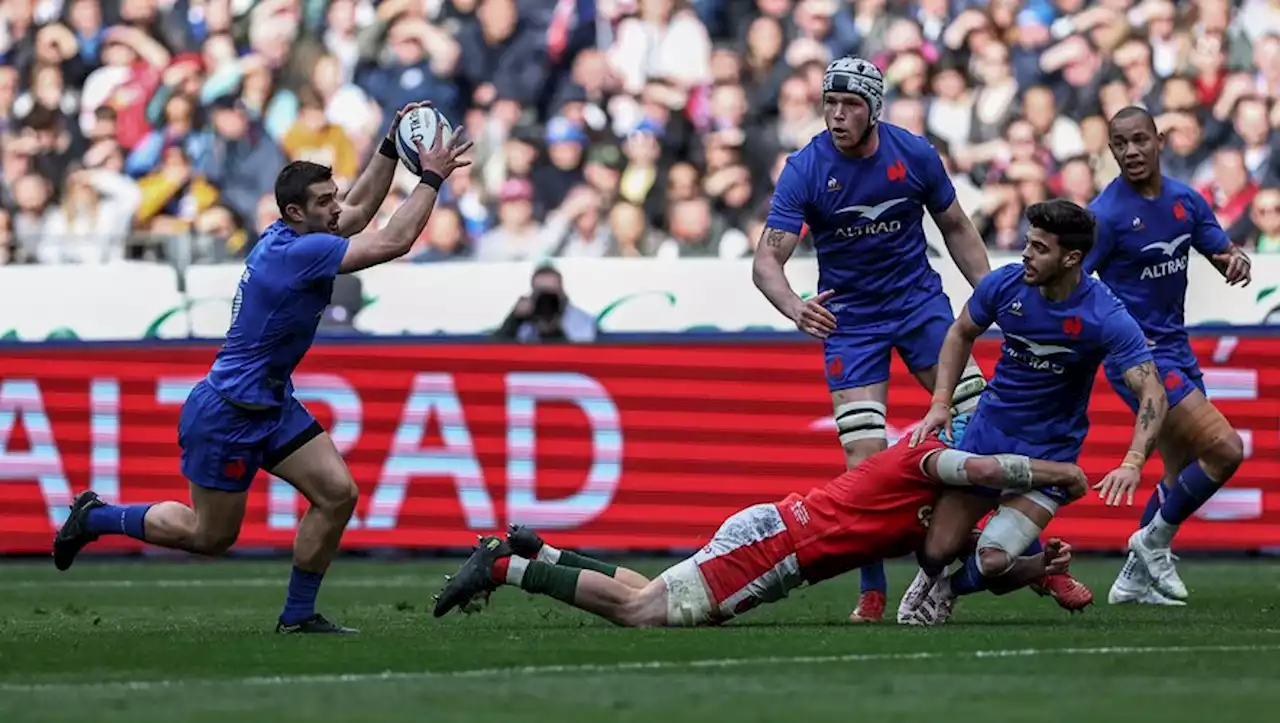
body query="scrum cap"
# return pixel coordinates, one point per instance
(857, 76)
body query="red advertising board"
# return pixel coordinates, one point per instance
(615, 446)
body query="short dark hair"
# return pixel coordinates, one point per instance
(1073, 225)
(1131, 111)
(295, 179)
(546, 269)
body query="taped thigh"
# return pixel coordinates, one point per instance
(859, 421)
(1044, 499)
(1200, 428)
(688, 604)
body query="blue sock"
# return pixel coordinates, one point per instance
(1158, 496)
(301, 603)
(968, 579)
(1193, 489)
(873, 578)
(119, 520)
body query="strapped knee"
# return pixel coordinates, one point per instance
(1010, 532)
(858, 421)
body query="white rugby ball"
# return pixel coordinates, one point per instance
(420, 124)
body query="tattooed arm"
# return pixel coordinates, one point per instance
(1144, 381)
(775, 247)
(1127, 349)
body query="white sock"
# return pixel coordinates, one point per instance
(548, 554)
(1160, 533)
(515, 570)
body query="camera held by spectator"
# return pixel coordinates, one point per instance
(545, 314)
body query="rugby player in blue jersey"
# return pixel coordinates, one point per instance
(863, 187)
(1059, 325)
(1147, 225)
(243, 416)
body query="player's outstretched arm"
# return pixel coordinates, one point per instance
(964, 243)
(1013, 472)
(952, 359)
(369, 190)
(395, 240)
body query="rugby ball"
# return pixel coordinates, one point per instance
(419, 124)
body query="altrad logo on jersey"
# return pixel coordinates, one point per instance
(872, 214)
(1036, 355)
(1175, 264)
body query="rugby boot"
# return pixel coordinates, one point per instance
(1070, 594)
(316, 624)
(870, 608)
(524, 542)
(914, 597)
(473, 582)
(1159, 564)
(74, 533)
(1133, 585)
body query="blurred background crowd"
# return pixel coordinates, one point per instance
(154, 128)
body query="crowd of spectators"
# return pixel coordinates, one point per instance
(154, 128)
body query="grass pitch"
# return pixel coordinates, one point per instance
(156, 641)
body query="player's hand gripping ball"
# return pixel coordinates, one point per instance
(419, 124)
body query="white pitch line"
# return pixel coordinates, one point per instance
(238, 582)
(624, 667)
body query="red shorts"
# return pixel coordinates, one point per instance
(750, 560)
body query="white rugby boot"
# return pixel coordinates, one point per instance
(914, 597)
(1158, 562)
(1133, 586)
(937, 606)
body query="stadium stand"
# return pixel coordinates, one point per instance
(150, 129)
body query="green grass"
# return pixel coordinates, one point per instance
(206, 627)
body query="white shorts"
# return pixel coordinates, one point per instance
(751, 560)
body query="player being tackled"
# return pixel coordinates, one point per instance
(243, 415)
(1059, 326)
(1147, 225)
(863, 188)
(880, 508)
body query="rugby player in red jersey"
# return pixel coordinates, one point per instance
(879, 509)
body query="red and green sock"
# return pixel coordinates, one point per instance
(569, 558)
(542, 578)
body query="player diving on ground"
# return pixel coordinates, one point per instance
(877, 510)
(1059, 326)
(863, 187)
(243, 415)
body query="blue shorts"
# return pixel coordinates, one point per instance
(224, 446)
(1179, 381)
(860, 357)
(987, 439)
